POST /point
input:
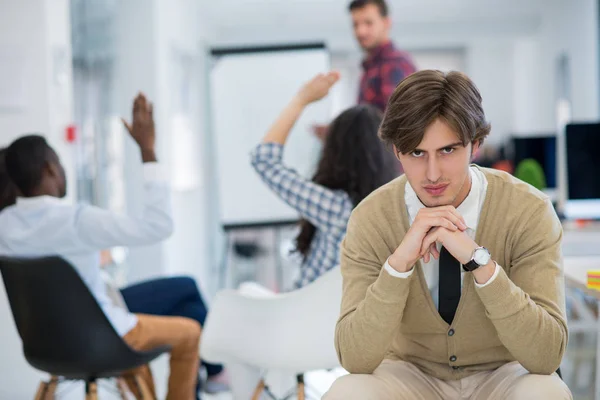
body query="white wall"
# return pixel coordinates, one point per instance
(156, 41)
(569, 28)
(572, 28)
(489, 64)
(136, 70)
(182, 37)
(37, 31)
(528, 110)
(20, 38)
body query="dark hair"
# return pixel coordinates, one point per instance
(25, 160)
(353, 160)
(381, 4)
(427, 95)
(8, 191)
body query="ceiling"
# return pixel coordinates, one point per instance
(238, 21)
(261, 14)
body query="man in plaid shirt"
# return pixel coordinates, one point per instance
(385, 66)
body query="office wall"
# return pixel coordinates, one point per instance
(489, 65)
(183, 35)
(136, 69)
(571, 28)
(35, 48)
(161, 51)
(34, 34)
(20, 34)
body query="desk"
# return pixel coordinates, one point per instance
(576, 269)
(581, 241)
(576, 276)
(581, 252)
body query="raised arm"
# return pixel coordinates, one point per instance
(322, 207)
(100, 229)
(312, 91)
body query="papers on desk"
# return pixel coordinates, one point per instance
(593, 279)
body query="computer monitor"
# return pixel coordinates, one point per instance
(542, 148)
(582, 142)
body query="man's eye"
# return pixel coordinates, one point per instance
(417, 153)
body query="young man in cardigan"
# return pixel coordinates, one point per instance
(453, 282)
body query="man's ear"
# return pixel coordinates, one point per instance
(388, 23)
(475, 149)
(396, 152)
(51, 169)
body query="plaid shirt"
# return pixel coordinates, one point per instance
(383, 69)
(328, 210)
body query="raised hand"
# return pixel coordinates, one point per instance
(318, 87)
(142, 128)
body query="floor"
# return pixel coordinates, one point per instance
(318, 382)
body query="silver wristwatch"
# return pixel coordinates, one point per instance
(481, 257)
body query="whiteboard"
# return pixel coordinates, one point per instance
(248, 91)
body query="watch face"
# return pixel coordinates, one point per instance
(481, 257)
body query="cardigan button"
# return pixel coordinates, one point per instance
(453, 358)
(451, 332)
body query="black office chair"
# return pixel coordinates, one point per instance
(63, 329)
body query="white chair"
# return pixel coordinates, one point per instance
(292, 332)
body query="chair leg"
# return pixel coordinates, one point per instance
(91, 390)
(301, 392)
(259, 390)
(51, 390)
(46, 390)
(41, 392)
(143, 388)
(122, 388)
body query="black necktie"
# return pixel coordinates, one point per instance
(449, 287)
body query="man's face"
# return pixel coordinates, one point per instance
(370, 27)
(438, 169)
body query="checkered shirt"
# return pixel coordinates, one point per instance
(384, 68)
(328, 210)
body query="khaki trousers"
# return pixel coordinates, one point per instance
(400, 380)
(183, 335)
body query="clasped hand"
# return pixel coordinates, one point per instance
(432, 225)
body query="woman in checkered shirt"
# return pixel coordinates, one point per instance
(353, 163)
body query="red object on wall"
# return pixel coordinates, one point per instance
(71, 133)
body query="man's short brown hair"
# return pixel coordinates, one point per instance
(381, 5)
(427, 95)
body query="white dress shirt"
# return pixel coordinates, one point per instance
(470, 209)
(44, 226)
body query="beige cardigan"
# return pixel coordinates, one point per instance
(519, 316)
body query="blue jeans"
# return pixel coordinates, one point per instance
(177, 296)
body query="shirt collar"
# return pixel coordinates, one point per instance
(377, 53)
(37, 201)
(469, 208)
